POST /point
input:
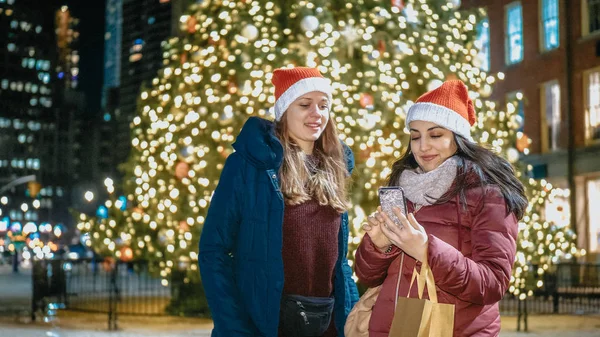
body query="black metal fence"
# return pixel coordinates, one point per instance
(572, 288)
(132, 289)
(568, 289)
(114, 288)
(95, 286)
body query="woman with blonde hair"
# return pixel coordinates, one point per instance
(273, 248)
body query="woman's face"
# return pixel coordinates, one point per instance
(307, 117)
(431, 144)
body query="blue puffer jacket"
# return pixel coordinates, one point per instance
(240, 247)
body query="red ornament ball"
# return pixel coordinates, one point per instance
(182, 169)
(126, 254)
(366, 100)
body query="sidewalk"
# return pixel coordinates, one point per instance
(553, 326)
(75, 324)
(15, 288)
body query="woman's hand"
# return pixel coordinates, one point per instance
(373, 228)
(408, 235)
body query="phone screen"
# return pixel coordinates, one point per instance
(390, 197)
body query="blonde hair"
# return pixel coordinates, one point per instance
(328, 184)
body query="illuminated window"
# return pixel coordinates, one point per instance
(593, 195)
(514, 33)
(516, 97)
(550, 115)
(549, 24)
(590, 16)
(135, 57)
(592, 105)
(557, 208)
(483, 45)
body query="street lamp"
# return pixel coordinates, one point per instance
(18, 181)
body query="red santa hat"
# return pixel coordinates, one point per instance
(448, 106)
(291, 83)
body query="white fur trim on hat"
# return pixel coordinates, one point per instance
(300, 88)
(440, 115)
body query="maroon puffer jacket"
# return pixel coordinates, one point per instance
(471, 253)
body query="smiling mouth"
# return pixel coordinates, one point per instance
(428, 158)
(313, 125)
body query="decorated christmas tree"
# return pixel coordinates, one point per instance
(380, 55)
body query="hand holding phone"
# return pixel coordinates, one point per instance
(390, 197)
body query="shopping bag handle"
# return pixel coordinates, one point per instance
(398, 281)
(424, 279)
(430, 281)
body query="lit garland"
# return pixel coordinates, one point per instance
(379, 55)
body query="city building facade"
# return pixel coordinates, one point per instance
(549, 52)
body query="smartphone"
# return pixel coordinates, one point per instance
(390, 197)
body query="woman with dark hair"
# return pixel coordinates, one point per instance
(274, 244)
(464, 203)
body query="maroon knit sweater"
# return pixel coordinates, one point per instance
(310, 250)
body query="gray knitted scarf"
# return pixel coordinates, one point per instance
(424, 188)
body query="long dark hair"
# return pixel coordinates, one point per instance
(477, 167)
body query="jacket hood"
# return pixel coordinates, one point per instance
(258, 144)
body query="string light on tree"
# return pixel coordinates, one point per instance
(455, 3)
(310, 23)
(250, 32)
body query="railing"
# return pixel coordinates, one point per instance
(114, 288)
(572, 288)
(92, 285)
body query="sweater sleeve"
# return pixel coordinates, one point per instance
(371, 264)
(216, 246)
(484, 277)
